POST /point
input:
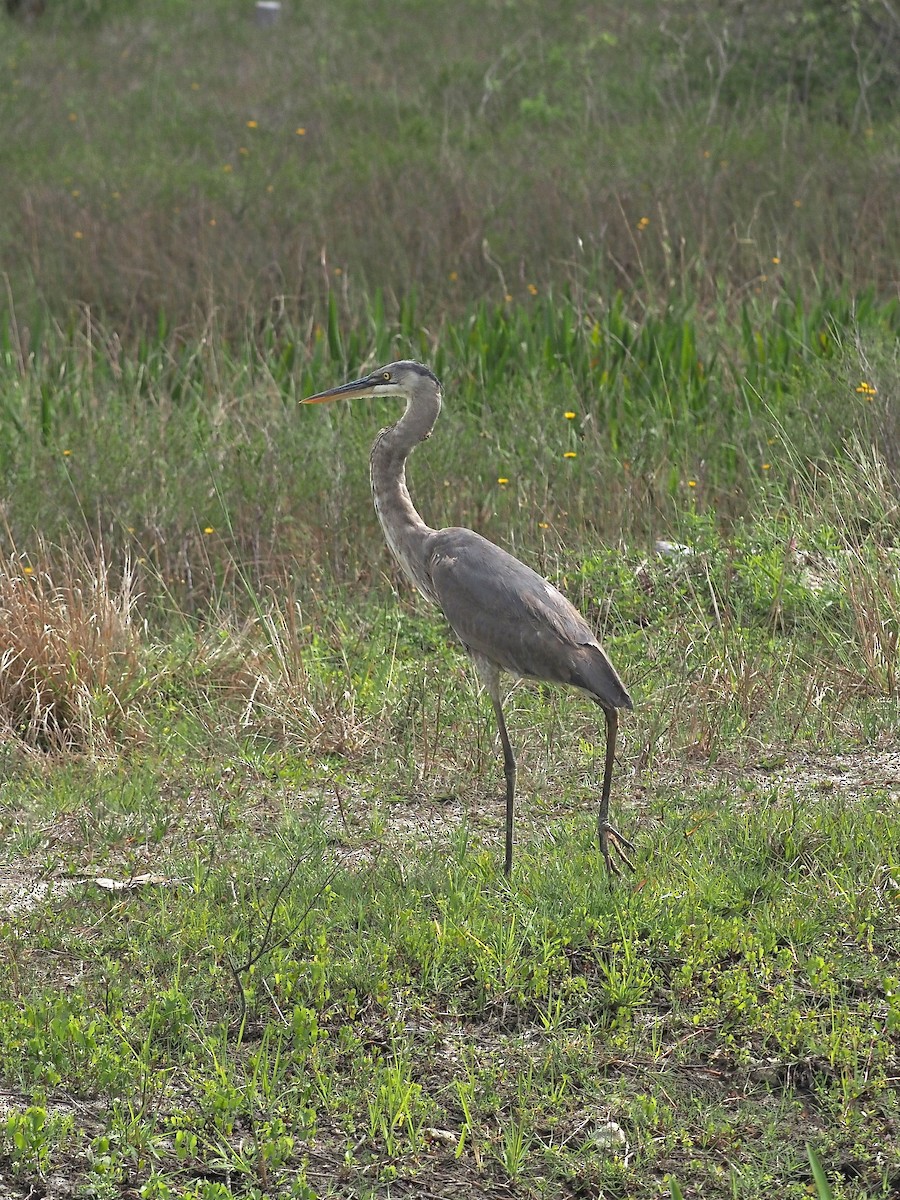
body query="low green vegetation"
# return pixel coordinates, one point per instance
(317, 994)
(170, 156)
(255, 939)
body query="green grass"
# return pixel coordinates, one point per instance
(343, 1001)
(254, 934)
(674, 414)
(325, 987)
(326, 984)
(460, 150)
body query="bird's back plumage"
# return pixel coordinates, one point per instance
(504, 612)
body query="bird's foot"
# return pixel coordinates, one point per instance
(611, 836)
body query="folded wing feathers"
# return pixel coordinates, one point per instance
(503, 610)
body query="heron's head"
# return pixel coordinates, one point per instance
(406, 379)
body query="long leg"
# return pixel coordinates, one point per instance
(509, 770)
(606, 833)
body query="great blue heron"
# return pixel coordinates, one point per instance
(507, 616)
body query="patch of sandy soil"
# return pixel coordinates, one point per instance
(435, 812)
(805, 773)
(429, 816)
(22, 890)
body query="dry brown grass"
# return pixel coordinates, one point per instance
(70, 663)
(280, 682)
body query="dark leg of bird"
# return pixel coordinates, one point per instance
(509, 770)
(605, 832)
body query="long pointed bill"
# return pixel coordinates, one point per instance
(347, 391)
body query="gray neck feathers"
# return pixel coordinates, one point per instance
(404, 530)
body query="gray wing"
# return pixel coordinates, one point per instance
(504, 611)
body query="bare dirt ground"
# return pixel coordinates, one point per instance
(425, 817)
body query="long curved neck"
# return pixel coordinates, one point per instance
(404, 530)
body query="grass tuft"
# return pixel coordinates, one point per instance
(71, 664)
